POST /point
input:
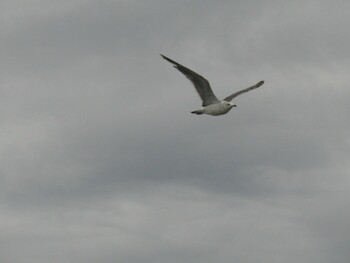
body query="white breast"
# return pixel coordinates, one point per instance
(215, 109)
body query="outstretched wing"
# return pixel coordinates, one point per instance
(201, 84)
(229, 98)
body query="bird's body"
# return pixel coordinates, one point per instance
(211, 105)
(215, 109)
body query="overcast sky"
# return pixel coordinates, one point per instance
(102, 161)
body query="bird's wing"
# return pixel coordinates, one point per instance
(229, 98)
(201, 84)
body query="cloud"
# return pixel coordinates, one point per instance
(101, 159)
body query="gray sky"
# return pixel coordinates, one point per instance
(101, 160)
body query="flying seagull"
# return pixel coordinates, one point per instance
(211, 104)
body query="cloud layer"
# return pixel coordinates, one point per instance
(101, 160)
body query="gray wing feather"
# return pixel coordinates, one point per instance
(229, 98)
(201, 84)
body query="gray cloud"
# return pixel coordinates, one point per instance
(101, 160)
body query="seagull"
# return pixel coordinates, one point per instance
(211, 104)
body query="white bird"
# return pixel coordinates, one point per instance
(211, 105)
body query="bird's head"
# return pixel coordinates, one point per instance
(229, 105)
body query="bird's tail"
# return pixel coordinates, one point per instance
(198, 112)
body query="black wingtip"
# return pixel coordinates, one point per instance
(175, 64)
(165, 57)
(260, 83)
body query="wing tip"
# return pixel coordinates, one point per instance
(166, 58)
(260, 83)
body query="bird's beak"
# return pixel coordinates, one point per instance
(234, 105)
